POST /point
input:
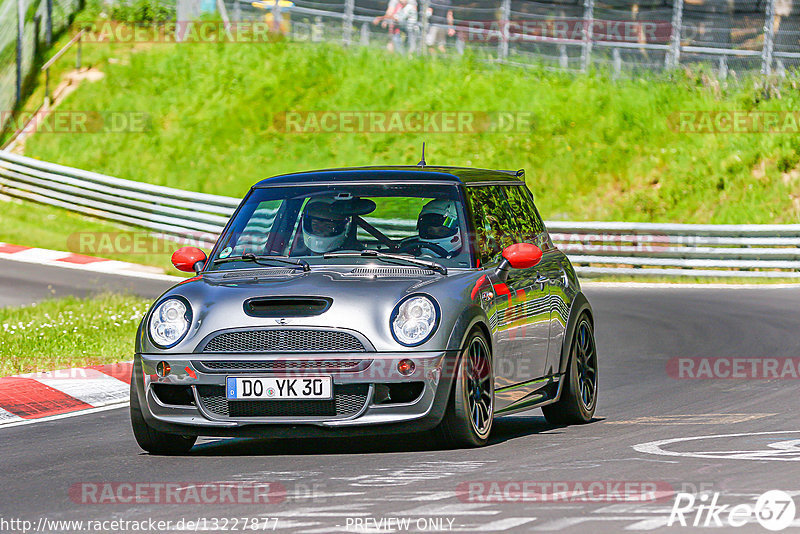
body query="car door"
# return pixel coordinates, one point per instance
(519, 313)
(550, 271)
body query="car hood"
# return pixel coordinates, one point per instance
(362, 300)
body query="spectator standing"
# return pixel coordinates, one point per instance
(400, 19)
(440, 15)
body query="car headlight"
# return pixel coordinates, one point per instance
(169, 322)
(414, 320)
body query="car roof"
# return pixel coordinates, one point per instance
(396, 173)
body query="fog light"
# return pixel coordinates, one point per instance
(162, 369)
(406, 367)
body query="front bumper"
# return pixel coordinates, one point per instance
(366, 412)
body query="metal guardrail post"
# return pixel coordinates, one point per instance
(588, 34)
(347, 24)
(505, 20)
(769, 38)
(674, 55)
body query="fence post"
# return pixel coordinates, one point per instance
(769, 39)
(347, 30)
(674, 54)
(505, 16)
(588, 34)
(616, 61)
(20, 34)
(237, 11)
(276, 17)
(563, 57)
(426, 23)
(365, 34)
(49, 24)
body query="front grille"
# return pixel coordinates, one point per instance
(284, 340)
(283, 365)
(348, 400)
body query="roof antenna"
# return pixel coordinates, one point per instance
(422, 162)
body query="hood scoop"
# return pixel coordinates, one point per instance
(403, 272)
(286, 306)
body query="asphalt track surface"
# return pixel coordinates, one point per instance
(338, 486)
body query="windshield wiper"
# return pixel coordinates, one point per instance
(249, 256)
(432, 265)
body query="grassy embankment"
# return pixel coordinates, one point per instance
(68, 332)
(596, 149)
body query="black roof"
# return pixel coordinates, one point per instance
(395, 173)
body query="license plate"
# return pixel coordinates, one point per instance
(279, 388)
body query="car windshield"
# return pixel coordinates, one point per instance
(319, 224)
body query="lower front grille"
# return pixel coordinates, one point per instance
(348, 400)
(281, 365)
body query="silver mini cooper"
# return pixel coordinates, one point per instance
(357, 301)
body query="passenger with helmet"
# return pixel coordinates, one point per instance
(438, 224)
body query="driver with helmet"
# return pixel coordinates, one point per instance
(324, 229)
(438, 224)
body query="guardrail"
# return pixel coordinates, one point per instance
(596, 248)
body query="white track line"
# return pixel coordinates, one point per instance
(29, 258)
(49, 418)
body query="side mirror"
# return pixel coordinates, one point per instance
(189, 259)
(519, 256)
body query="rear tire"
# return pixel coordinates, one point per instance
(470, 410)
(579, 390)
(150, 439)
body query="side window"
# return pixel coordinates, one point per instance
(530, 225)
(495, 226)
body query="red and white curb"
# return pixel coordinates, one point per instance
(57, 394)
(70, 260)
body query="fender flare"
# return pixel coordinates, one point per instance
(580, 304)
(471, 317)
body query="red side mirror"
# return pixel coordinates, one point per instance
(522, 255)
(187, 259)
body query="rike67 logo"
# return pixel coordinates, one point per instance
(773, 510)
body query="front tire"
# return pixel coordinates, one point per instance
(579, 391)
(470, 409)
(150, 439)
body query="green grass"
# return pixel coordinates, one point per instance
(30, 224)
(597, 148)
(69, 332)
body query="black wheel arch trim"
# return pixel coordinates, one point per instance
(580, 304)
